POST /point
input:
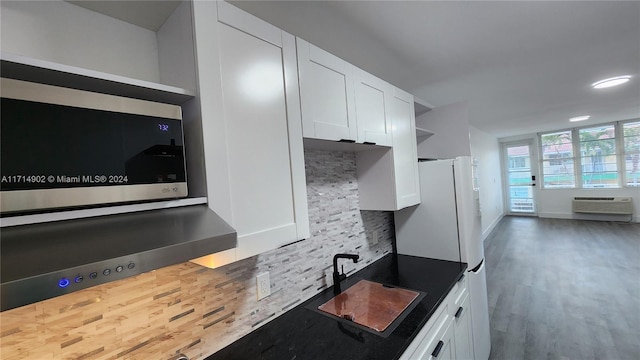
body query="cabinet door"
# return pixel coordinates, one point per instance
(442, 347)
(405, 153)
(388, 179)
(255, 169)
(326, 94)
(255, 110)
(462, 325)
(372, 96)
(447, 351)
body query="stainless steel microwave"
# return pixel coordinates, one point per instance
(67, 148)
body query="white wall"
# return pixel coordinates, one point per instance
(176, 49)
(556, 203)
(455, 137)
(486, 149)
(64, 33)
(450, 124)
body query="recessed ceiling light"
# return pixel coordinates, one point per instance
(579, 118)
(614, 81)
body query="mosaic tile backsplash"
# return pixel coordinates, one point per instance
(194, 310)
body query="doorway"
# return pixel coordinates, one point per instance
(520, 178)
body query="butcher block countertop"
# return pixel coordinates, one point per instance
(306, 333)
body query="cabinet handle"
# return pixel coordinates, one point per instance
(436, 351)
(459, 312)
(369, 143)
(347, 141)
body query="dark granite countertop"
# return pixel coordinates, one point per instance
(304, 334)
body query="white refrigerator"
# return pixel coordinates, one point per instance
(446, 225)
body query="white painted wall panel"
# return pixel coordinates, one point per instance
(451, 126)
(486, 149)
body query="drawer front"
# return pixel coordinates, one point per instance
(460, 288)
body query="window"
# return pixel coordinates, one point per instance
(598, 157)
(631, 146)
(517, 163)
(518, 157)
(557, 160)
(603, 156)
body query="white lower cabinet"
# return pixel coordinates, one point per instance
(445, 348)
(462, 327)
(445, 336)
(251, 130)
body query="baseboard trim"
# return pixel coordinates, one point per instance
(494, 223)
(597, 217)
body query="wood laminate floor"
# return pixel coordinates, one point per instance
(564, 289)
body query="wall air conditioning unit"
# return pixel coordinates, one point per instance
(603, 205)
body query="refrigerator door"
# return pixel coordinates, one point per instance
(469, 216)
(479, 312)
(430, 228)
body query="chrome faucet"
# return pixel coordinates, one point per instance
(337, 277)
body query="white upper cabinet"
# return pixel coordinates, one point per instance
(388, 178)
(326, 94)
(253, 137)
(372, 101)
(341, 101)
(405, 153)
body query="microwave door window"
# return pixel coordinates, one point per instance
(153, 150)
(77, 147)
(60, 143)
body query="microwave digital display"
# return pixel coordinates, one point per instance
(52, 146)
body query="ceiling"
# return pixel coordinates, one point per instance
(522, 66)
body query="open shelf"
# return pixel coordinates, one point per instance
(423, 133)
(421, 106)
(45, 72)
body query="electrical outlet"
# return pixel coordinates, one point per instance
(376, 235)
(263, 283)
